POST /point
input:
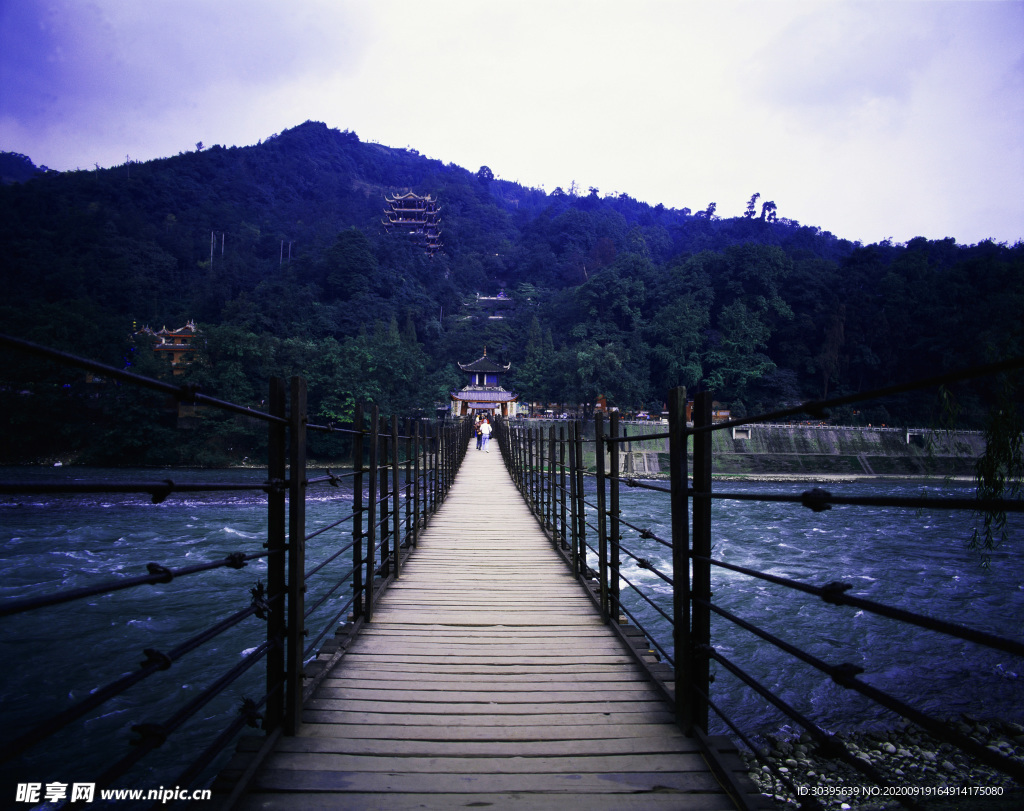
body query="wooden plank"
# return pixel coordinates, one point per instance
(578, 764)
(454, 704)
(587, 747)
(396, 722)
(606, 783)
(520, 732)
(353, 801)
(513, 695)
(486, 679)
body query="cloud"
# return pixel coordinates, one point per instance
(872, 119)
(116, 75)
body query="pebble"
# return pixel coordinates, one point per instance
(904, 753)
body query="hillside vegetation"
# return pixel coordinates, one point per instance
(277, 251)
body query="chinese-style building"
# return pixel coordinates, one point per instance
(177, 345)
(418, 217)
(484, 394)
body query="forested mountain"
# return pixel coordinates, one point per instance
(277, 251)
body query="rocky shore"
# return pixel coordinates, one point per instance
(906, 756)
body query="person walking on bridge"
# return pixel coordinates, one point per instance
(485, 434)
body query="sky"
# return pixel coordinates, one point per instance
(871, 120)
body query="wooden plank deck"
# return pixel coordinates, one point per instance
(486, 679)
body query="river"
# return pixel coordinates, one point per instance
(915, 559)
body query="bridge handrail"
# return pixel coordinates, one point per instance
(547, 466)
(386, 519)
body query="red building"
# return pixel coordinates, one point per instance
(178, 345)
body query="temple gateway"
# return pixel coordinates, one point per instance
(484, 394)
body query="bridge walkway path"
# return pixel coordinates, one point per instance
(486, 679)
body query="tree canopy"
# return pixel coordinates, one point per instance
(278, 252)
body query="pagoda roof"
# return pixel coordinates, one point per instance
(484, 364)
(409, 196)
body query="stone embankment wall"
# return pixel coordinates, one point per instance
(819, 451)
(852, 450)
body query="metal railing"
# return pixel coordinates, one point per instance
(400, 475)
(587, 526)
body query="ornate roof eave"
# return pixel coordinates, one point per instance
(408, 196)
(478, 396)
(484, 364)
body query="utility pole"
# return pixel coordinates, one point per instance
(213, 245)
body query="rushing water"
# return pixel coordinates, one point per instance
(53, 656)
(917, 560)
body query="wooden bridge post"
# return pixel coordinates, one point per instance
(539, 488)
(430, 471)
(530, 468)
(371, 511)
(701, 548)
(573, 536)
(602, 515)
(552, 480)
(443, 452)
(679, 475)
(518, 445)
(396, 506)
(579, 509)
(384, 494)
(296, 556)
(357, 513)
(613, 520)
(563, 534)
(414, 519)
(277, 545)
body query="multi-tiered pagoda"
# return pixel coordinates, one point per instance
(418, 217)
(484, 394)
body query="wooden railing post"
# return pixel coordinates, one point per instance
(574, 541)
(371, 511)
(679, 475)
(602, 516)
(613, 521)
(580, 508)
(384, 494)
(428, 471)
(415, 454)
(396, 506)
(552, 481)
(539, 478)
(358, 538)
(296, 631)
(277, 545)
(563, 534)
(700, 619)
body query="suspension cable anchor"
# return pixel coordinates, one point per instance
(833, 592)
(156, 657)
(816, 500)
(159, 494)
(156, 569)
(259, 600)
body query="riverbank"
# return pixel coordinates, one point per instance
(907, 757)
